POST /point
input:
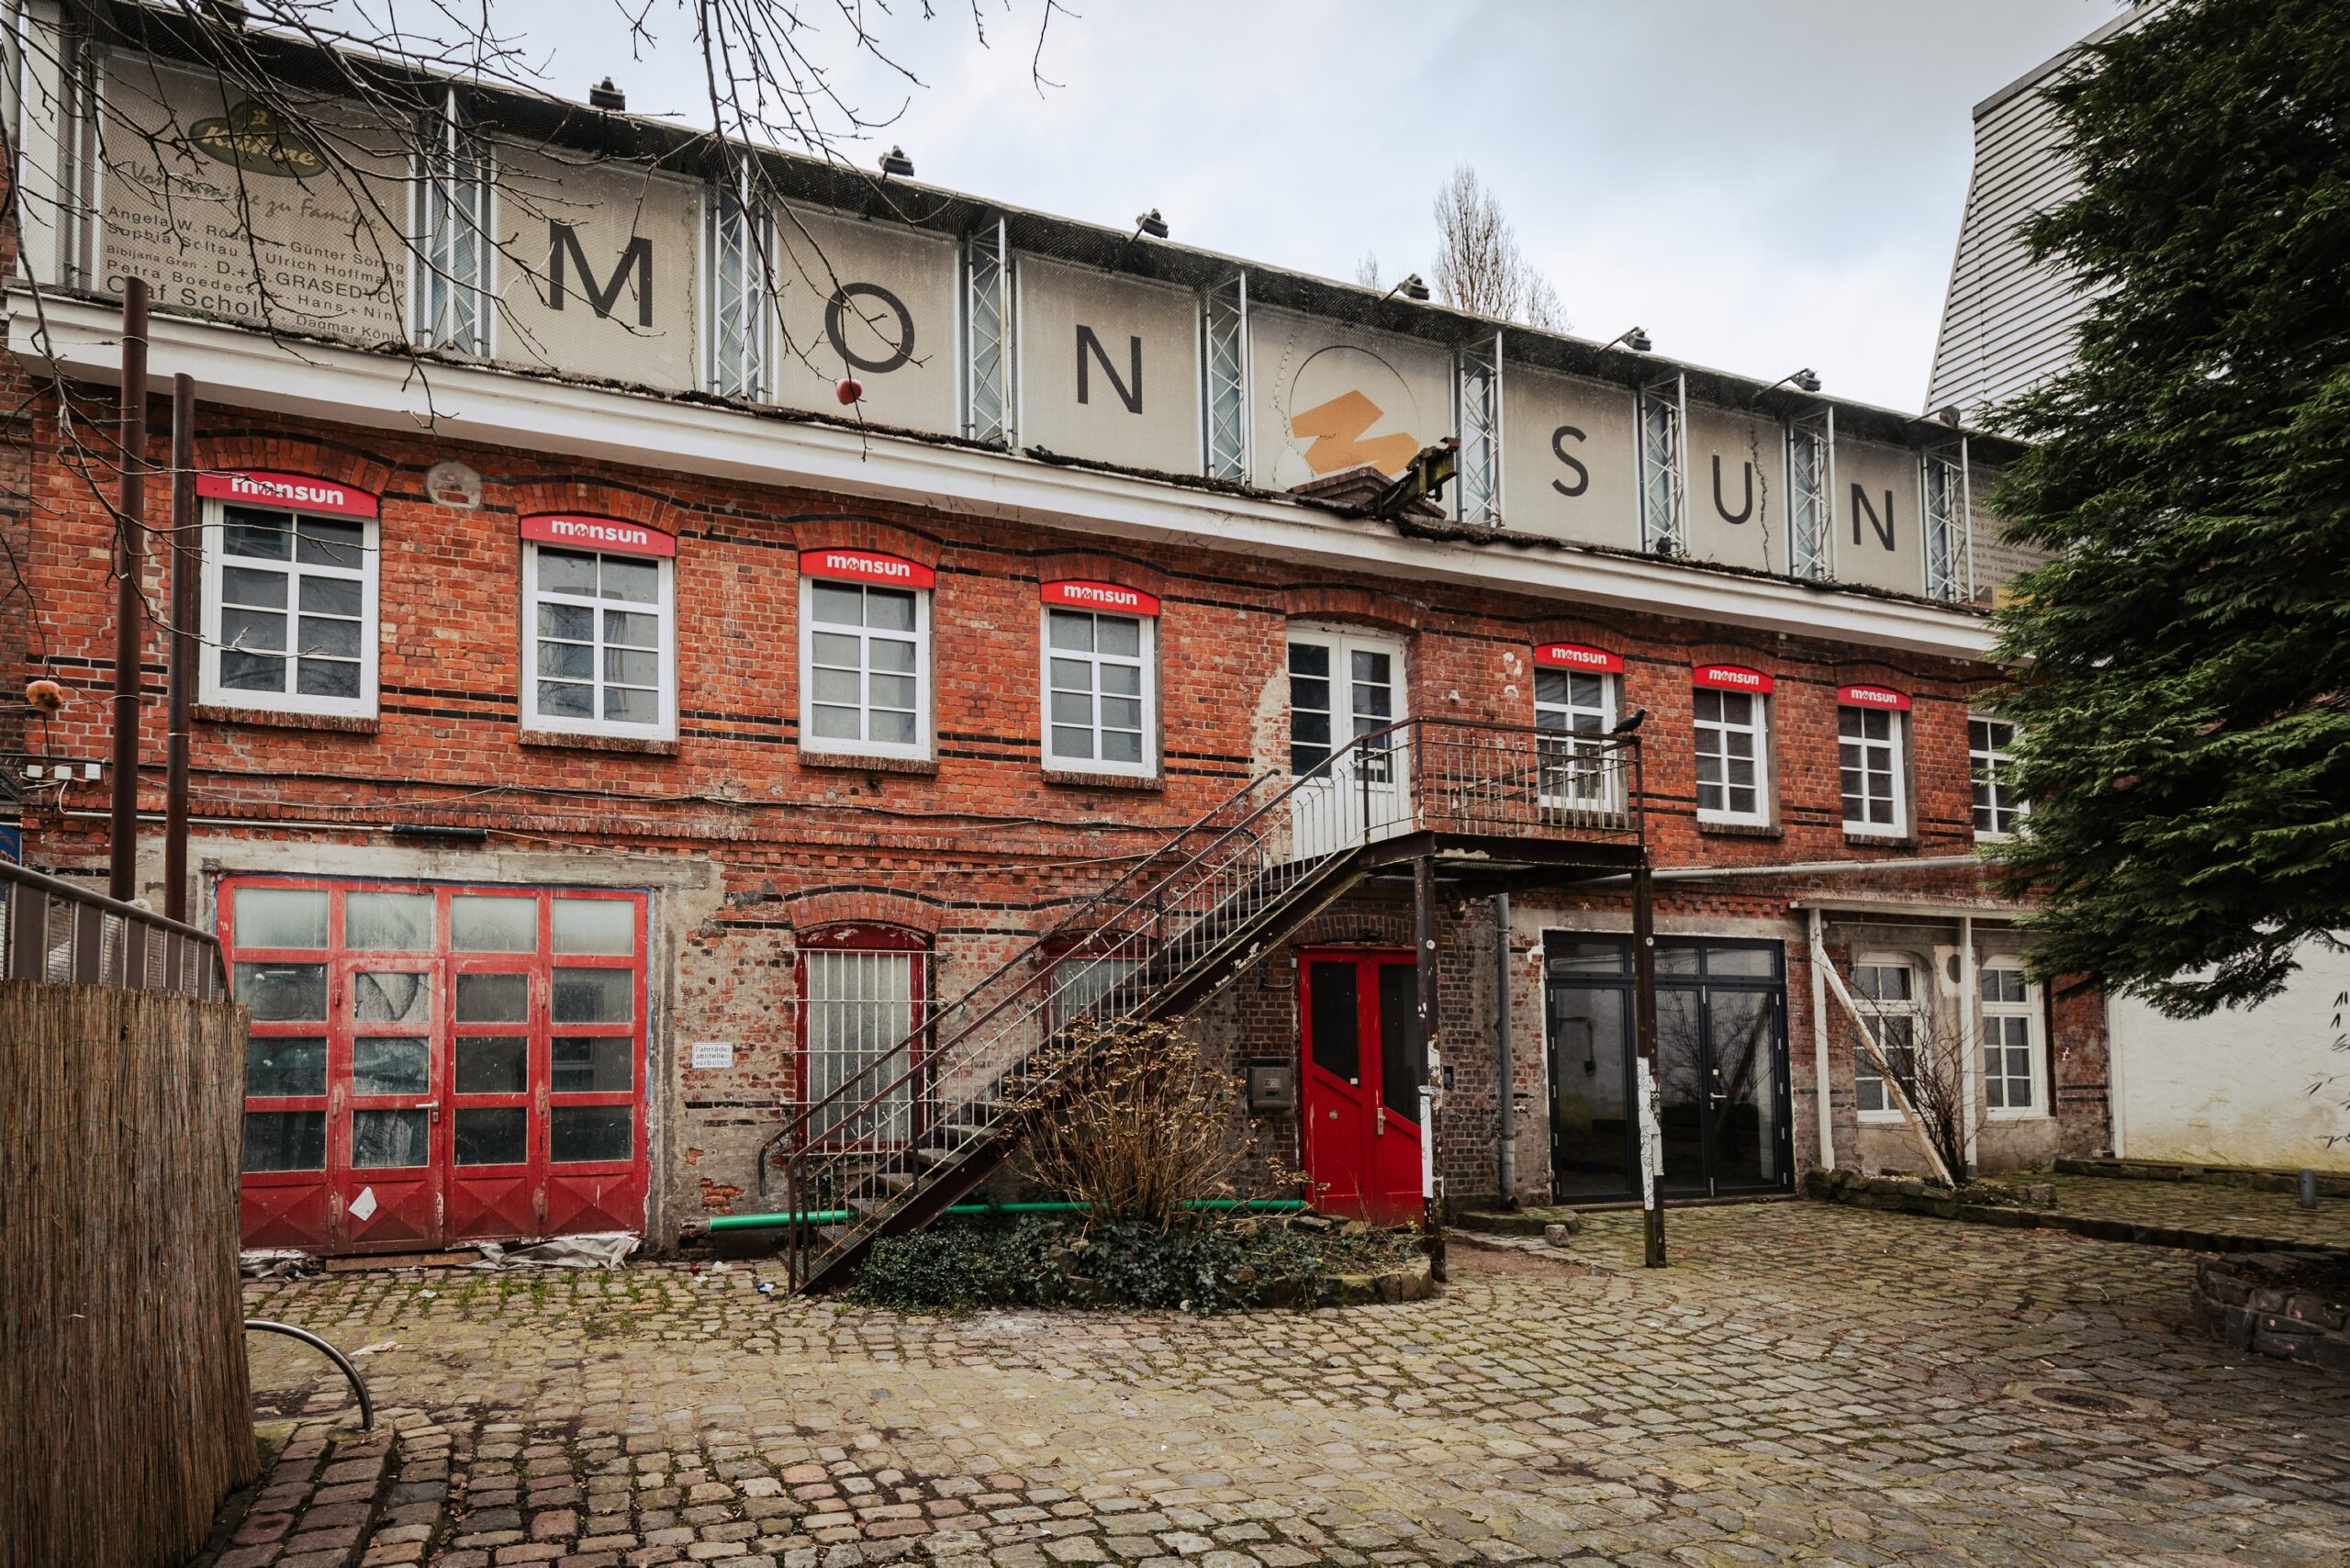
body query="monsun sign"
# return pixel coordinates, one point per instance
(610, 270)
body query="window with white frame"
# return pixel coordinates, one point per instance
(599, 640)
(1886, 990)
(1991, 759)
(290, 620)
(865, 664)
(453, 256)
(1572, 710)
(1733, 763)
(1099, 699)
(2013, 1049)
(1869, 765)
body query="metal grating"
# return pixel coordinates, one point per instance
(1225, 322)
(1477, 389)
(987, 322)
(1811, 494)
(1664, 417)
(1949, 536)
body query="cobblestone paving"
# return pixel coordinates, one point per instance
(2204, 1206)
(1807, 1385)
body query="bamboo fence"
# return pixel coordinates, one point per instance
(125, 1413)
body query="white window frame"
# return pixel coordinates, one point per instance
(211, 692)
(1893, 751)
(920, 749)
(2027, 1012)
(1146, 666)
(1588, 774)
(665, 593)
(745, 275)
(1985, 765)
(1874, 1009)
(1761, 729)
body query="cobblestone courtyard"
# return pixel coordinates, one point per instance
(1808, 1384)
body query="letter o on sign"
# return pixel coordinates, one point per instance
(836, 309)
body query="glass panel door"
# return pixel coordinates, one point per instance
(1741, 1091)
(1591, 1091)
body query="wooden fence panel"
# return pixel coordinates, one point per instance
(125, 1412)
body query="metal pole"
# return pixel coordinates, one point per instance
(1505, 1054)
(1644, 1042)
(180, 691)
(130, 556)
(1820, 1063)
(1431, 1054)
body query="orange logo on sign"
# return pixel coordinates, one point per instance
(1335, 429)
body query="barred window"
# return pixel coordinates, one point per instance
(858, 1012)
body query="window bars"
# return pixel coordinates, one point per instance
(741, 241)
(1477, 415)
(987, 336)
(453, 245)
(1224, 324)
(1811, 494)
(1664, 489)
(1949, 531)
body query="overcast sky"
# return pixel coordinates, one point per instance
(1763, 184)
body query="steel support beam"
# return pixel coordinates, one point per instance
(1644, 1044)
(130, 557)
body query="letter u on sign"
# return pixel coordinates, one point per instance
(865, 567)
(1730, 677)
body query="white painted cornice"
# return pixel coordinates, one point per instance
(237, 367)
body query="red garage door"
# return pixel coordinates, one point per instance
(431, 1065)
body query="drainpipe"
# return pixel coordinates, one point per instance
(1819, 1075)
(1504, 1053)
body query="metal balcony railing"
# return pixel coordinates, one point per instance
(53, 930)
(885, 1132)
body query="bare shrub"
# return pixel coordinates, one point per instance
(1134, 1123)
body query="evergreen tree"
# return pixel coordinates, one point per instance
(2183, 685)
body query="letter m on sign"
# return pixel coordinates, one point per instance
(563, 246)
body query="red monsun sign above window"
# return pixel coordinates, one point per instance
(298, 492)
(598, 533)
(864, 567)
(1730, 677)
(1108, 597)
(1873, 697)
(1574, 656)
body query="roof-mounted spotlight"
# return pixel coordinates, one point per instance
(1633, 338)
(604, 95)
(1409, 286)
(1804, 380)
(1150, 223)
(895, 161)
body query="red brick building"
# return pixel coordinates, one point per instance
(592, 771)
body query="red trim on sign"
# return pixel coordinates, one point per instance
(295, 492)
(1075, 593)
(1730, 677)
(1873, 697)
(597, 533)
(1575, 655)
(865, 567)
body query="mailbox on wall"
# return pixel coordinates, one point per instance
(1273, 1085)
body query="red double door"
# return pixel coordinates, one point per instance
(1362, 1068)
(433, 1064)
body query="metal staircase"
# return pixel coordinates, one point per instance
(918, 1126)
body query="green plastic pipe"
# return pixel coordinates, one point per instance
(841, 1216)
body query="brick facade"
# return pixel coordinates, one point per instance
(748, 844)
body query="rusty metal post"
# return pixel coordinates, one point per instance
(130, 559)
(1431, 1059)
(187, 606)
(1651, 1090)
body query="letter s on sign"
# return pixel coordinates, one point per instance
(1558, 447)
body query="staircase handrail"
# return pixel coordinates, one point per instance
(794, 1132)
